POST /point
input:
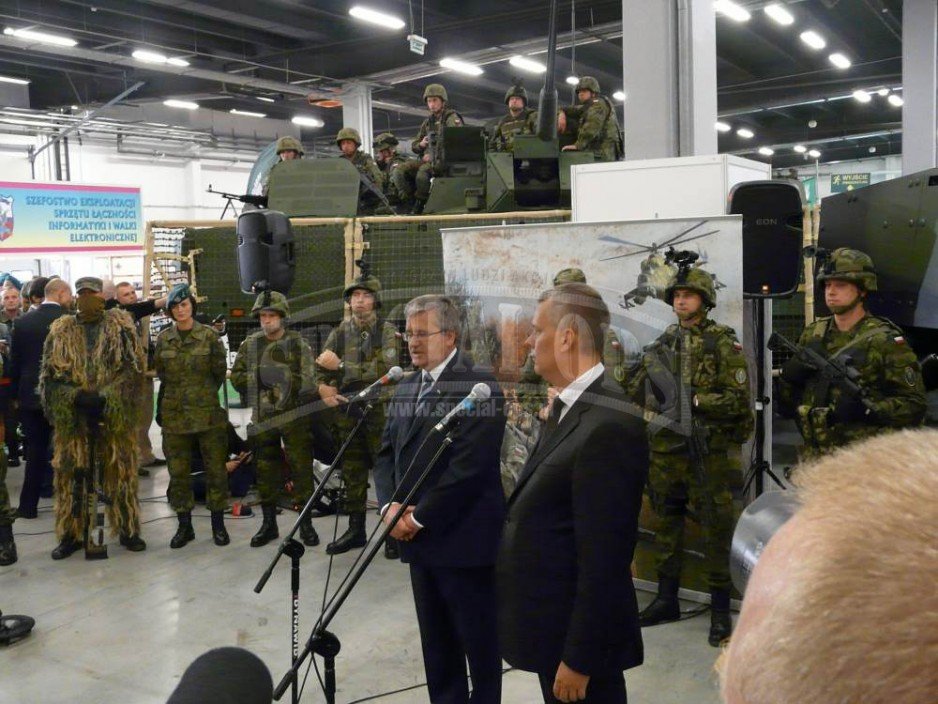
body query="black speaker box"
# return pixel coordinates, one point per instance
(772, 235)
(265, 250)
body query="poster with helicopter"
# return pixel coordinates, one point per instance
(499, 272)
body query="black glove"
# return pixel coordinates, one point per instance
(849, 408)
(797, 372)
(90, 402)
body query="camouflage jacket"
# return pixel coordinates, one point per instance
(889, 372)
(509, 127)
(599, 130)
(367, 166)
(701, 370)
(386, 167)
(366, 354)
(191, 369)
(434, 125)
(273, 376)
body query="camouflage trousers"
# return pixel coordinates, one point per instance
(359, 456)
(179, 448)
(296, 440)
(6, 513)
(412, 180)
(673, 484)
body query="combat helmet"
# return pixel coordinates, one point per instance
(273, 301)
(435, 90)
(516, 91)
(287, 144)
(571, 275)
(845, 264)
(386, 140)
(349, 133)
(368, 283)
(588, 83)
(696, 280)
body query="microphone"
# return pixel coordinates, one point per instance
(393, 376)
(225, 675)
(480, 392)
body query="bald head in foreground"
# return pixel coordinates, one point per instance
(843, 605)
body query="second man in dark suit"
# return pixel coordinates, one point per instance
(567, 607)
(449, 535)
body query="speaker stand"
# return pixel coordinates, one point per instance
(760, 465)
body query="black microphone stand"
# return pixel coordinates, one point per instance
(294, 550)
(325, 644)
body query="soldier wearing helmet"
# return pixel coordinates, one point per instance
(349, 142)
(288, 149)
(886, 368)
(520, 120)
(274, 373)
(389, 161)
(694, 374)
(358, 352)
(598, 130)
(413, 178)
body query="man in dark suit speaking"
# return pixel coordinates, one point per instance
(567, 607)
(450, 532)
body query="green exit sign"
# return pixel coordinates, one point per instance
(848, 182)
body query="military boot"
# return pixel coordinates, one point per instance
(352, 538)
(65, 548)
(219, 534)
(391, 549)
(308, 534)
(7, 546)
(665, 607)
(268, 530)
(184, 532)
(133, 542)
(721, 624)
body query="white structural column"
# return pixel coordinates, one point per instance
(356, 112)
(919, 85)
(669, 67)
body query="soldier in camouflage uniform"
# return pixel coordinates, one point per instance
(829, 416)
(388, 161)
(190, 363)
(520, 120)
(598, 125)
(358, 352)
(693, 374)
(349, 142)
(412, 179)
(274, 373)
(288, 148)
(7, 546)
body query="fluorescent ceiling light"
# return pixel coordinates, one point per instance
(265, 99)
(896, 100)
(374, 17)
(304, 121)
(730, 9)
(840, 61)
(247, 113)
(17, 81)
(526, 64)
(813, 39)
(883, 92)
(861, 96)
(814, 154)
(177, 62)
(149, 57)
(572, 80)
(766, 151)
(800, 148)
(779, 14)
(619, 95)
(41, 37)
(722, 126)
(461, 67)
(184, 104)
(745, 133)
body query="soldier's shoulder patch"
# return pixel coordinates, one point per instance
(737, 346)
(740, 376)
(910, 377)
(899, 340)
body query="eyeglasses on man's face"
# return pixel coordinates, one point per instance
(419, 335)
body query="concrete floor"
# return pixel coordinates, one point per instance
(125, 629)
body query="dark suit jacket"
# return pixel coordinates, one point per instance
(565, 587)
(29, 335)
(461, 505)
